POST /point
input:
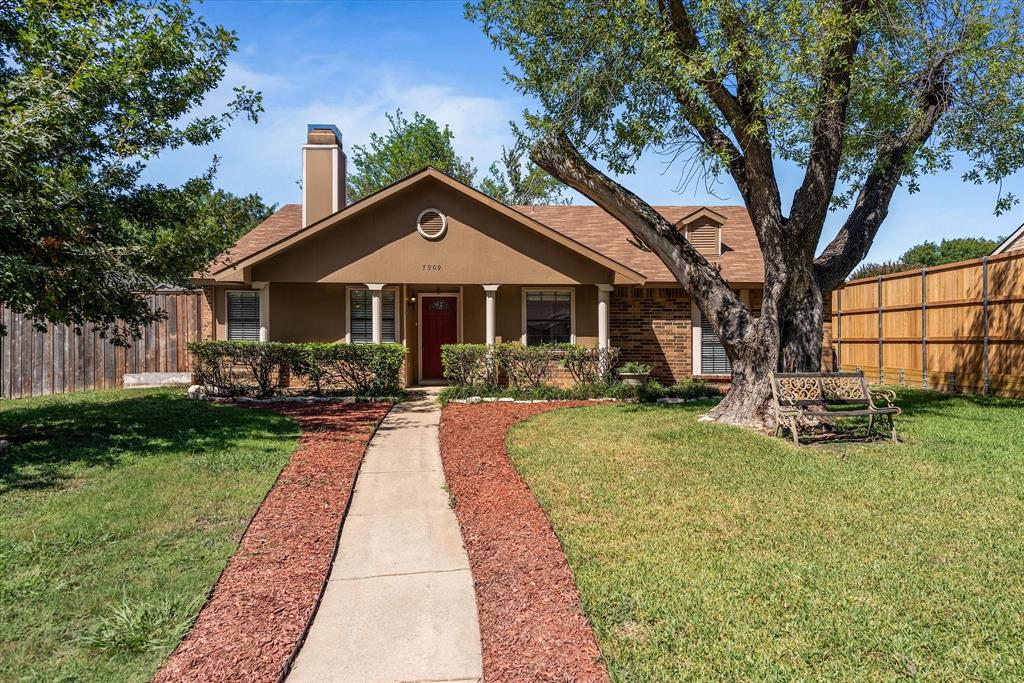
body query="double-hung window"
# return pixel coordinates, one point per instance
(244, 316)
(360, 316)
(547, 317)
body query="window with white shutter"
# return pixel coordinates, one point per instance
(713, 360)
(360, 316)
(244, 316)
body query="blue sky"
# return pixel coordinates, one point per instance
(349, 63)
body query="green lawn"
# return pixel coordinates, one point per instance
(118, 510)
(705, 552)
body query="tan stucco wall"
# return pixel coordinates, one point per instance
(319, 190)
(307, 312)
(481, 246)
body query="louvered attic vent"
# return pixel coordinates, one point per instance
(432, 224)
(704, 238)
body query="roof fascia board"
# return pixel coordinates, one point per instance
(702, 212)
(1017, 234)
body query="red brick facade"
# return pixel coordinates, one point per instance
(652, 326)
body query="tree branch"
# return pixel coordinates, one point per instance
(728, 315)
(753, 169)
(854, 240)
(811, 201)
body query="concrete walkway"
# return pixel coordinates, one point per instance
(399, 604)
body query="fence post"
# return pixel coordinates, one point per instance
(839, 330)
(984, 317)
(881, 353)
(924, 328)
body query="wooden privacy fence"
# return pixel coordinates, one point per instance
(36, 363)
(956, 327)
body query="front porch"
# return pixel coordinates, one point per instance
(420, 316)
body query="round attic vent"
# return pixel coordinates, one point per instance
(432, 224)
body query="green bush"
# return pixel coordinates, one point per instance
(634, 368)
(652, 391)
(362, 369)
(468, 364)
(589, 364)
(211, 365)
(527, 367)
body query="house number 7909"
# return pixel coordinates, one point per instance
(431, 266)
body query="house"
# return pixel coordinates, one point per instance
(1013, 242)
(430, 261)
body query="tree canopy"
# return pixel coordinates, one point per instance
(863, 96)
(406, 147)
(409, 146)
(929, 254)
(514, 182)
(90, 92)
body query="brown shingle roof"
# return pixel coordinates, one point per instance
(590, 225)
(283, 223)
(741, 259)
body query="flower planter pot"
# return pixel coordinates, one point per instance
(634, 379)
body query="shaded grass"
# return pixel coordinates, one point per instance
(705, 552)
(118, 510)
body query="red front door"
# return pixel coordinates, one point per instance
(440, 325)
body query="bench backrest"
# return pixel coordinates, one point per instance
(820, 389)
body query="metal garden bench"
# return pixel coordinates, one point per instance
(827, 397)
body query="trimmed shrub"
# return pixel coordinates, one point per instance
(308, 363)
(526, 366)
(589, 364)
(264, 361)
(649, 393)
(211, 365)
(362, 369)
(468, 364)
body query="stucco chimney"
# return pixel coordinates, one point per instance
(323, 173)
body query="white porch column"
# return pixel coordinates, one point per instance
(377, 310)
(264, 288)
(490, 292)
(604, 293)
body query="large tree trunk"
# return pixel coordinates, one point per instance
(748, 402)
(800, 323)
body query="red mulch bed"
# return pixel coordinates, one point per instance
(249, 628)
(531, 624)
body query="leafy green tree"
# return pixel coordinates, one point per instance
(90, 91)
(949, 251)
(407, 147)
(884, 268)
(864, 96)
(236, 214)
(514, 183)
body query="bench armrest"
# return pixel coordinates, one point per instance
(887, 395)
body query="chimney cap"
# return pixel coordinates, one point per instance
(314, 128)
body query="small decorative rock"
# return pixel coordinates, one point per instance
(673, 400)
(197, 392)
(474, 399)
(506, 399)
(523, 401)
(489, 399)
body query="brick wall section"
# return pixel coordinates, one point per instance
(206, 312)
(652, 326)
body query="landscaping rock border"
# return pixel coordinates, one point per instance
(531, 624)
(262, 604)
